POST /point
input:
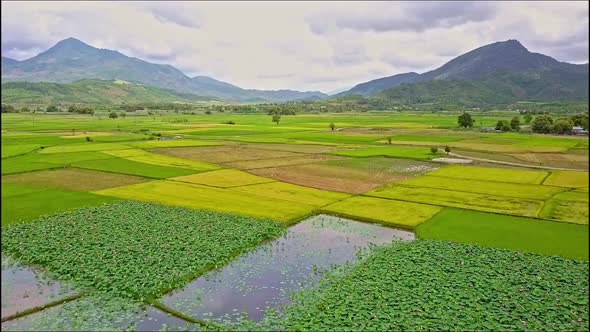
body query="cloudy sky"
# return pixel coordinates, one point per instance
(298, 45)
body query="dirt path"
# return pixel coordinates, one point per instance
(516, 164)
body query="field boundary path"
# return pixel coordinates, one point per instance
(516, 164)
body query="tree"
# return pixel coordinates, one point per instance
(8, 108)
(563, 125)
(276, 118)
(581, 119)
(113, 115)
(515, 123)
(389, 138)
(434, 150)
(503, 125)
(25, 110)
(122, 114)
(542, 124)
(528, 117)
(52, 108)
(447, 149)
(332, 126)
(464, 120)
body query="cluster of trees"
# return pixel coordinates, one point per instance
(545, 124)
(81, 109)
(512, 125)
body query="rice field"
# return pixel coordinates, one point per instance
(395, 213)
(507, 232)
(132, 223)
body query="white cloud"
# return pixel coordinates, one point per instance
(297, 45)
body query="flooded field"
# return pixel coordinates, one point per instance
(24, 288)
(267, 276)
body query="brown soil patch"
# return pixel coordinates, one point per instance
(277, 162)
(330, 178)
(224, 154)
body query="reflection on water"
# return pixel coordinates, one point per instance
(267, 276)
(93, 314)
(24, 288)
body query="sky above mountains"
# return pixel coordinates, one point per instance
(297, 45)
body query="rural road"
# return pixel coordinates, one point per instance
(515, 164)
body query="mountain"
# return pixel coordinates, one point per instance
(373, 87)
(89, 92)
(498, 73)
(71, 60)
(7, 62)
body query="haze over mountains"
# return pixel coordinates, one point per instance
(71, 60)
(498, 73)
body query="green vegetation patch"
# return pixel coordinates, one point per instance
(142, 156)
(84, 147)
(133, 249)
(24, 204)
(532, 191)
(500, 231)
(124, 166)
(459, 199)
(568, 179)
(568, 206)
(389, 212)
(72, 179)
(437, 285)
(293, 193)
(212, 199)
(15, 150)
(392, 152)
(224, 178)
(491, 174)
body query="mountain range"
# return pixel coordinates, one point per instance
(71, 60)
(499, 73)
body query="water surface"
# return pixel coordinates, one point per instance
(268, 275)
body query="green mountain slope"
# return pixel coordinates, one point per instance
(71, 60)
(89, 92)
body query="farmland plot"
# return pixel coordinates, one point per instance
(567, 206)
(568, 179)
(492, 174)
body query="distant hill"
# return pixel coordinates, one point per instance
(7, 62)
(497, 73)
(71, 60)
(89, 92)
(375, 86)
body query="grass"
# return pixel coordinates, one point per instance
(568, 206)
(568, 179)
(212, 199)
(436, 285)
(72, 179)
(515, 233)
(393, 152)
(161, 160)
(393, 213)
(459, 199)
(292, 193)
(124, 166)
(224, 178)
(492, 174)
(531, 191)
(132, 249)
(29, 204)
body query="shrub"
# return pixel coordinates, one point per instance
(434, 150)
